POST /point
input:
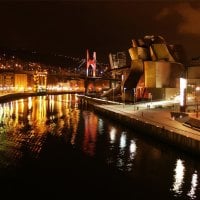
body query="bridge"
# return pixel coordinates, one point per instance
(95, 80)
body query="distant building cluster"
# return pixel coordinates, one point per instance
(117, 60)
(17, 75)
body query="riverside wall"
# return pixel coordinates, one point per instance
(182, 142)
(21, 95)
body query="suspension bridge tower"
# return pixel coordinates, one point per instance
(91, 62)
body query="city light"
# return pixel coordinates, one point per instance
(183, 85)
(194, 183)
(123, 140)
(113, 135)
(178, 177)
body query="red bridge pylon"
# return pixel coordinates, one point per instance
(92, 63)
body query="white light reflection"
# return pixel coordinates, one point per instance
(121, 162)
(76, 101)
(192, 191)
(132, 150)
(100, 126)
(123, 140)
(21, 105)
(132, 147)
(51, 103)
(29, 103)
(113, 135)
(178, 177)
(1, 113)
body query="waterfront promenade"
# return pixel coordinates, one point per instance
(153, 119)
(155, 116)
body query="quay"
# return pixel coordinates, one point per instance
(154, 121)
(20, 95)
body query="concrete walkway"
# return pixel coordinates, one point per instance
(158, 117)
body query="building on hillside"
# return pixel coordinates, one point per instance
(6, 81)
(20, 82)
(40, 81)
(13, 82)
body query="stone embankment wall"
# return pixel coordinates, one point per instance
(173, 138)
(15, 96)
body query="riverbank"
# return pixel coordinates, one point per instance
(20, 95)
(155, 122)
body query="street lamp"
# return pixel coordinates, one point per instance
(113, 94)
(113, 91)
(134, 96)
(124, 95)
(151, 96)
(197, 89)
(183, 85)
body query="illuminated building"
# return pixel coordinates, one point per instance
(40, 81)
(117, 60)
(155, 69)
(193, 83)
(20, 82)
(10, 82)
(193, 72)
(6, 81)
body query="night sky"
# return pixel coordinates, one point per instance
(105, 26)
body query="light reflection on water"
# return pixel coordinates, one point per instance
(28, 121)
(178, 177)
(90, 132)
(194, 184)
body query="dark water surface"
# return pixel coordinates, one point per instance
(49, 147)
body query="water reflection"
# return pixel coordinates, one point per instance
(132, 149)
(122, 144)
(25, 122)
(113, 132)
(24, 125)
(101, 126)
(178, 177)
(192, 192)
(90, 132)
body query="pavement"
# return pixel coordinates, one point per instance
(160, 117)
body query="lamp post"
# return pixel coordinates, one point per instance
(151, 96)
(124, 95)
(197, 89)
(113, 94)
(183, 85)
(113, 91)
(134, 97)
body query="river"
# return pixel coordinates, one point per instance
(52, 146)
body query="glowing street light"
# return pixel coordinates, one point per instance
(124, 96)
(113, 87)
(197, 89)
(183, 84)
(113, 94)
